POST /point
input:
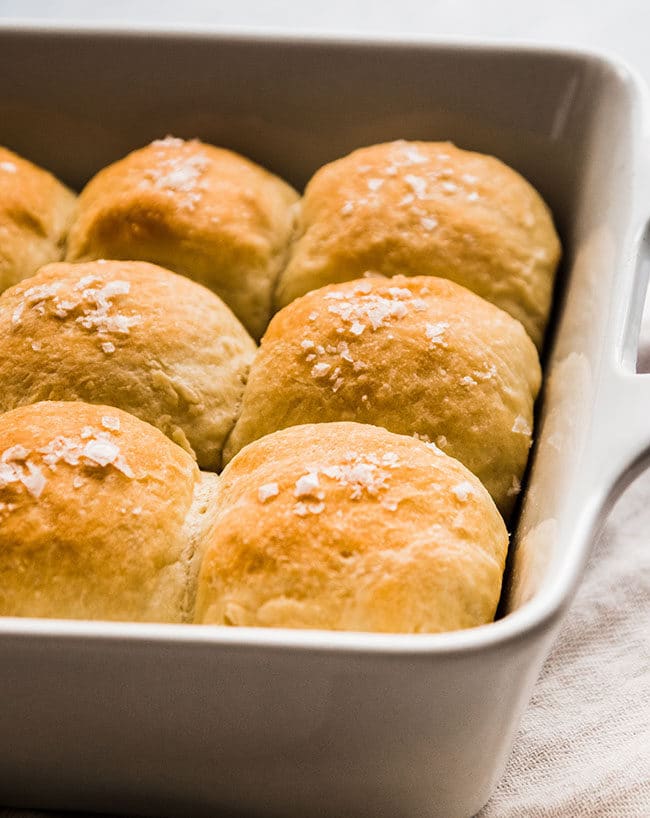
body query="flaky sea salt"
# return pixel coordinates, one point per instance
(521, 426)
(359, 475)
(267, 491)
(363, 287)
(169, 142)
(320, 370)
(41, 292)
(110, 422)
(435, 333)
(99, 318)
(413, 155)
(390, 459)
(97, 449)
(178, 175)
(417, 184)
(101, 452)
(16, 316)
(307, 485)
(302, 509)
(487, 374)
(462, 490)
(399, 292)
(373, 308)
(95, 303)
(16, 468)
(515, 487)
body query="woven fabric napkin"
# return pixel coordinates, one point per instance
(583, 747)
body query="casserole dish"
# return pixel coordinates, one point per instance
(189, 720)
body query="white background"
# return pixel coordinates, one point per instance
(622, 27)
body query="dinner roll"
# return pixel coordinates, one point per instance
(35, 214)
(101, 516)
(349, 527)
(428, 208)
(132, 335)
(420, 356)
(201, 211)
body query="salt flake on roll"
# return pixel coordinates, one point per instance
(201, 211)
(427, 208)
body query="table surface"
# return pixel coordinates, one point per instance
(620, 28)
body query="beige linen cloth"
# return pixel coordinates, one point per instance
(583, 747)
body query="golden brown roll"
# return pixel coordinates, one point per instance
(198, 210)
(100, 516)
(132, 335)
(35, 213)
(347, 526)
(420, 356)
(428, 208)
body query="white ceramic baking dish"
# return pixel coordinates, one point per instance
(167, 720)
